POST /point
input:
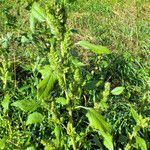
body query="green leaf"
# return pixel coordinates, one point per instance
(77, 63)
(57, 132)
(97, 121)
(141, 143)
(51, 21)
(108, 142)
(5, 102)
(38, 12)
(34, 118)
(32, 23)
(46, 85)
(98, 49)
(24, 39)
(26, 105)
(128, 147)
(31, 148)
(135, 115)
(118, 90)
(49, 147)
(61, 100)
(3, 143)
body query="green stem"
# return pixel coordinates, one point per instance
(70, 117)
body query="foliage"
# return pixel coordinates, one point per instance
(58, 90)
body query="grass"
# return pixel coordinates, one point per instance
(120, 25)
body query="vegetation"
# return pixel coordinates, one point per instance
(74, 75)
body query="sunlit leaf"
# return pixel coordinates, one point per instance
(49, 147)
(38, 12)
(34, 118)
(51, 21)
(98, 49)
(108, 142)
(78, 63)
(98, 122)
(57, 132)
(118, 90)
(3, 143)
(26, 105)
(32, 23)
(135, 115)
(46, 85)
(61, 100)
(5, 102)
(141, 143)
(128, 147)
(31, 148)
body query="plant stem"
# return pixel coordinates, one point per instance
(70, 116)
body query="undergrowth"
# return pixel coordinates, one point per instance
(60, 91)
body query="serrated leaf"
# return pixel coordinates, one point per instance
(118, 90)
(34, 118)
(46, 85)
(38, 12)
(5, 102)
(98, 49)
(141, 143)
(26, 105)
(61, 100)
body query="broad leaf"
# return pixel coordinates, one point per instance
(98, 122)
(31, 148)
(98, 49)
(26, 105)
(135, 115)
(3, 143)
(49, 147)
(77, 63)
(108, 142)
(141, 143)
(38, 12)
(118, 90)
(46, 85)
(61, 100)
(5, 103)
(34, 118)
